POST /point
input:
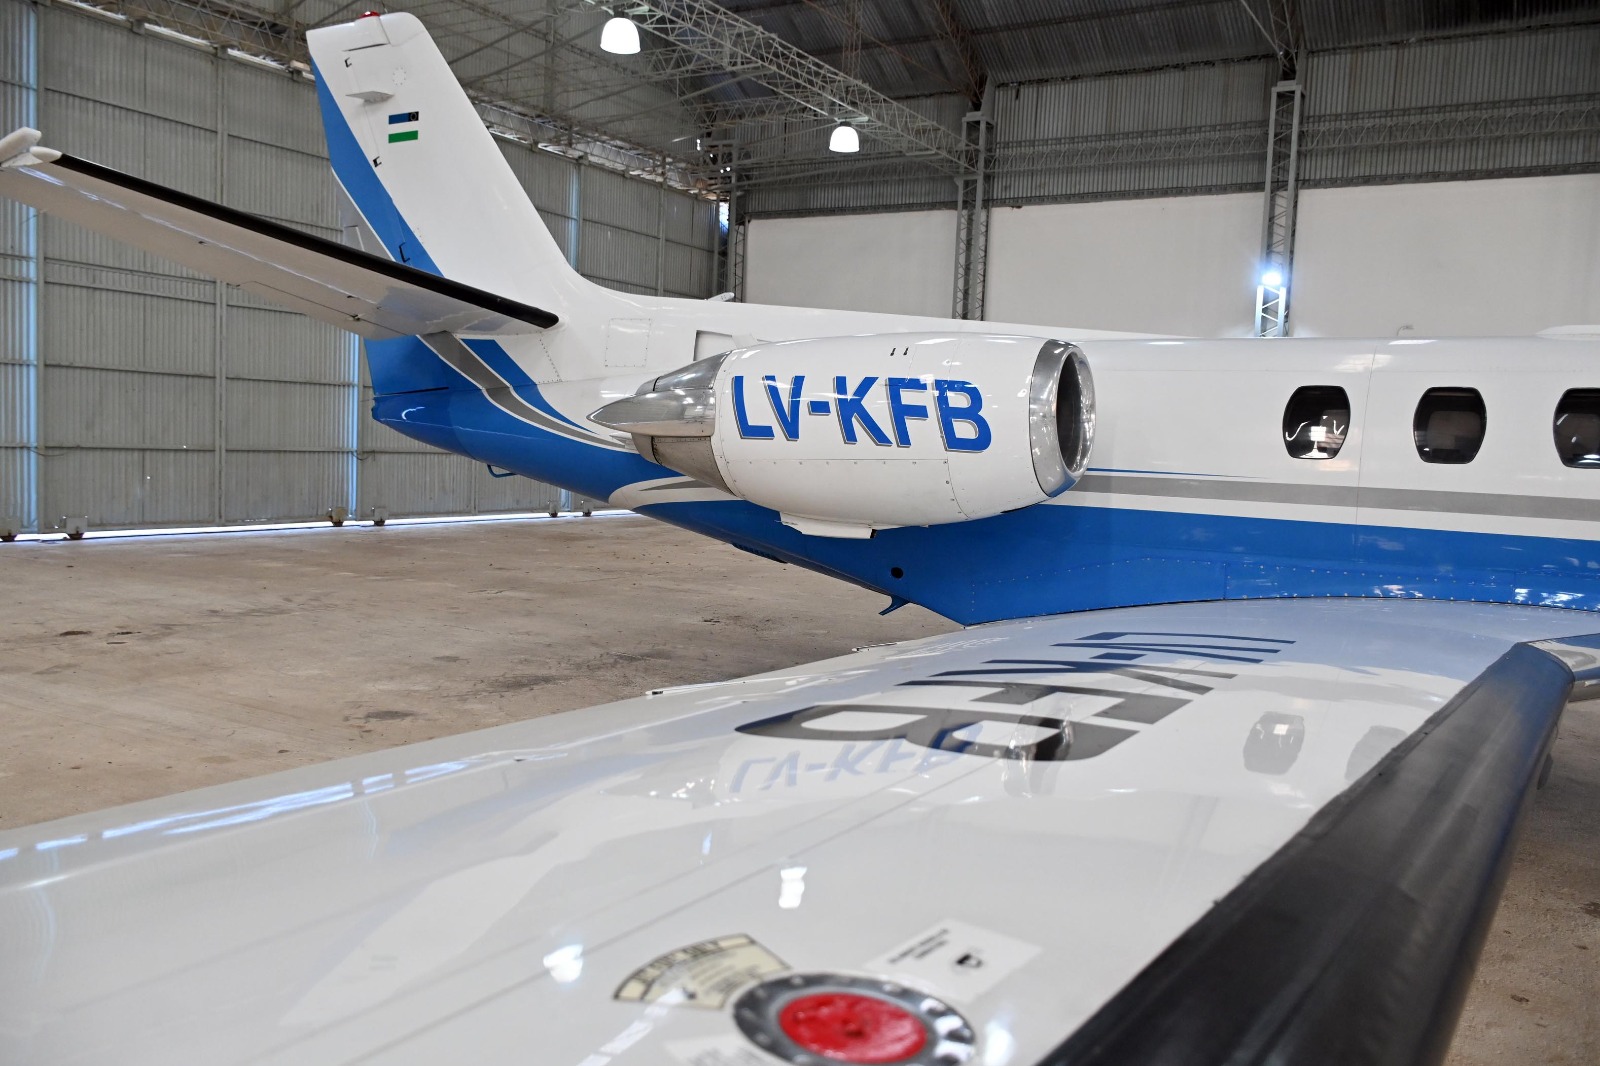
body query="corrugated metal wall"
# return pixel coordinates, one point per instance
(134, 393)
(1494, 105)
(1157, 133)
(1476, 107)
(132, 418)
(19, 368)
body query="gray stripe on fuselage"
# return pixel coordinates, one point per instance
(673, 486)
(1186, 488)
(1484, 503)
(471, 366)
(1468, 503)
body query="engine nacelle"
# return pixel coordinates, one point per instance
(847, 435)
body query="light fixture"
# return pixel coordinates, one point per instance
(1272, 279)
(844, 139)
(620, 36)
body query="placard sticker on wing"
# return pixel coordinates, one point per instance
(955, 959)
(703, 974)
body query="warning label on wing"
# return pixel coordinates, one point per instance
(703, 974)
(957, 959)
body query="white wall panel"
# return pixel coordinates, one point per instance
(902, 263)
(1507, 256)
(1183, 265)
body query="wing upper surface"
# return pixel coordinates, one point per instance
(1059, 802)
(354, 290)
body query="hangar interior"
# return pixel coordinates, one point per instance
(1427, 170)
(1419, 167)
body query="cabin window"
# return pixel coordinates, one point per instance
(1577, 428)
(1315, 421)
(1449, 425)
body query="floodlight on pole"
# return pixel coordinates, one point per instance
(844, 139)
(620, 36)
(1272, 279)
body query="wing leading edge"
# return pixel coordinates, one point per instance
(1248, 831)
(354, 290)
(1356, 941)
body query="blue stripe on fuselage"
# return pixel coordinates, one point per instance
(1049, 559)
(1052, 559)
(462, 420)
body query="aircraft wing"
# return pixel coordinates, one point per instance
(354, 290)
(1203, 833)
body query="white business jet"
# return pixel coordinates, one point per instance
(1269, 643)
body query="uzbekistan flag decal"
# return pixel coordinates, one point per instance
(404, 118)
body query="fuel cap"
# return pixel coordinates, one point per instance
(820, 1018)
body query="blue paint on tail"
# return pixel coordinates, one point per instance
(354, 171)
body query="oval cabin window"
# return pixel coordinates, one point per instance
(1577, 428)
(1315, 421)
(1449, 425)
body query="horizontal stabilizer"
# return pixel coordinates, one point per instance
(354, 290)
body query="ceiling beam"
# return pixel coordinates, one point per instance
(1279, 23)
(741, 47)
(254, 32)
(959, 41)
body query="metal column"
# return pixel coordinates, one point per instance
(575, 210)
(219, 475)
(972, 220)
(733, 244)
(1278, 210)
(737, 233)
(661, 230)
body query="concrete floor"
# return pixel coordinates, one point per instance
(137, 668)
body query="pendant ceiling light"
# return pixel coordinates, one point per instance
(844, 139)
(620, 36)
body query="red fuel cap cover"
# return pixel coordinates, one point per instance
(848, 1027)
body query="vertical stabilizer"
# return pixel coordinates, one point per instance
(427, 178)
